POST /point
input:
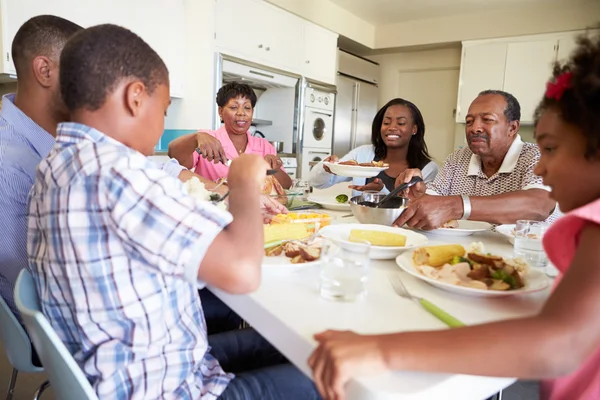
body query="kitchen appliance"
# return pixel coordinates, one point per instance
(290, 164)
(317, 124)
(356, 102)
(278, 146)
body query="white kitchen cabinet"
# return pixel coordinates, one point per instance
(528, 68)
(482, 67)
(320, 53)
(139, 16)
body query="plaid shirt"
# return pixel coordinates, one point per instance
(114, 245)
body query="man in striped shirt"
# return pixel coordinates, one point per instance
(117, 249)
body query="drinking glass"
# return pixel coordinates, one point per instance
(344, 270)
(528, 242)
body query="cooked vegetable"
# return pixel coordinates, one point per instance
(377, 238)
(459, 259)
(436, 256)
(341, 198)
(502, 275)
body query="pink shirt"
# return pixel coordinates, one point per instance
(560, 243)
(212, 171)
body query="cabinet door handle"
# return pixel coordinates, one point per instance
(260, 46)
(268, 48)
(308, 61)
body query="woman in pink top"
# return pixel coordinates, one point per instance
(560, 345)
(208, 152)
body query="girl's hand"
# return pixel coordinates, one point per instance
(376, 185)
(331, 159)
(342, 356)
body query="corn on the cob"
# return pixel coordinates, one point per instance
(285, 231)
(436, 256)
(377, 238)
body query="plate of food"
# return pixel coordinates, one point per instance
(386, 242)
(508, 231)
(331, 202)
(354, 169)
(472, 272)
(293, 253)
(461, 228)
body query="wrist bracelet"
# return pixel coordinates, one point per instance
(466, 206)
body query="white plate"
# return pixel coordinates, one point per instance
(341, 232)
(508, 231)
(329, 202)
(534, 281)
(465, 228)
(354, 171)
(284, 263)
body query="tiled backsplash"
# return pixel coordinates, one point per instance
(169, 135)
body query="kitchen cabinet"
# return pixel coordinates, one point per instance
(259, 32)
(482, 68)
(137, 15)
(320, 53)
(528, 68)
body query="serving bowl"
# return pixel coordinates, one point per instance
(385, 215)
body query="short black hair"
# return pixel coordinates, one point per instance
(233, 90)
(512, 112)
(97, 59)
(44, 35)
(418, 156)
(579, 104)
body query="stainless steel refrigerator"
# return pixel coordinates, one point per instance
(356, 102)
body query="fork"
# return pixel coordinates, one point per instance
(434, 310)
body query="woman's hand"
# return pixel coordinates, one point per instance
(210, 148)
(269, 207)
(342, 356)
(376, 185)
(331, 159)
(274, 161)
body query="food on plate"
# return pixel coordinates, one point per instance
(312, 220)
(285, 231)
(297, 251)
(341, 198)
(378, 164)
(377, 238)
(195, 188)
(436, 256)
(474, 269)
(452, 224)
(272, 187)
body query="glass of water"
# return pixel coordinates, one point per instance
(344, 270)
(528, 242)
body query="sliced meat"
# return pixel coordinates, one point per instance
(309, 253)
(291, 249)
(485, 259)
(297, 260)
(274, 251)
(480, 273)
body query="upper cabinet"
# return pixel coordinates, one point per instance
(276, 38)
(520, 66)
(136, 15)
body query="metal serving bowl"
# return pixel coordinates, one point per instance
(381, 216)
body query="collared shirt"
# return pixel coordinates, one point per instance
(462, 174)
(23, 144)
(212, 171)
(114, 246)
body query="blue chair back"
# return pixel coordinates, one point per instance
(15, 341)
(67, 379)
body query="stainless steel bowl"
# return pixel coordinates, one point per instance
(380, 216)
(278, 146)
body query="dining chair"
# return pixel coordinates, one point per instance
(67, 379)
(17, 347)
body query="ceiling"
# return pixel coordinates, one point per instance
(383, 12)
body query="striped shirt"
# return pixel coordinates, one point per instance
(114, 245)
(462, 174)
(23, 144)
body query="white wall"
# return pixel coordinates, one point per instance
(519, 21)
(195, 110)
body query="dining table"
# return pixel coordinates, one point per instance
(288, 311)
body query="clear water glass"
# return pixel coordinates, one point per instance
(344, 270)
(528, 242)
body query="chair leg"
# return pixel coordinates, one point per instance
(11, 384)
(40, 390)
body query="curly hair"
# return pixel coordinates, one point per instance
(512, 112)
(97, 59)
(44, 35)
(233, 90)
(418, 156)
(579, 104)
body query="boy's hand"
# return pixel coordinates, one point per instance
(247, 169)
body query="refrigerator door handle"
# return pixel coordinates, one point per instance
(318, 152)
(320, 113)
(355, 105)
